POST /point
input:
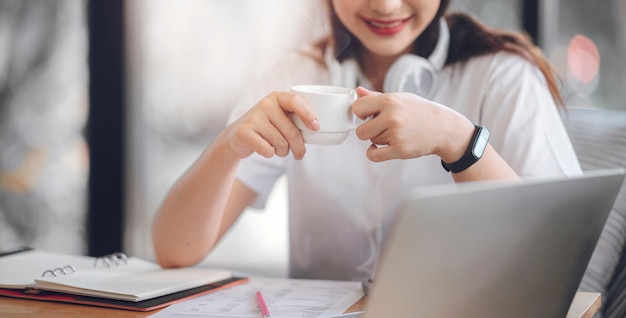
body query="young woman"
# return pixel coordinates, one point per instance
(342, 198)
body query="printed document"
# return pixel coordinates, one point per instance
(284, 298)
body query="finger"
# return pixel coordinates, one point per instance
(291, 134)
(275, 138)
(378, 154)
(362, 91)
(375, 127)
(254, 141)
(368, 104)
(371, 130)
(381, 140)
(295, 104)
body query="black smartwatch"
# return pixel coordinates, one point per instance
(474, 151)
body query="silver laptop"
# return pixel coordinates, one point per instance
(516, 249)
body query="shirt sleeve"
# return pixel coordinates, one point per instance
(524, 121)
(257, 172)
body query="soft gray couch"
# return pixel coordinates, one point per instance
(599, 138)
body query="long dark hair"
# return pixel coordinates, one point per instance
(468, 38)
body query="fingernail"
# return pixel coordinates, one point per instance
(315, 125)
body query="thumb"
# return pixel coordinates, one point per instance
(362, 92)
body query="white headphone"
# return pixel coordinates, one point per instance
(410, 73)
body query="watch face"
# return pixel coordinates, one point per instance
(481, 143)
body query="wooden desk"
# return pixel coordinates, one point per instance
(584, 305)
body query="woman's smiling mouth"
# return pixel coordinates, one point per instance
(386, 27)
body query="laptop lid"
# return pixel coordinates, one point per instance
(516, 249)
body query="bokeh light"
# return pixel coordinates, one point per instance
(583, 59)
(577, 61)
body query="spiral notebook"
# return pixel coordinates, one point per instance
(114, 281)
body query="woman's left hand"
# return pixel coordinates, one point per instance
(407, 126)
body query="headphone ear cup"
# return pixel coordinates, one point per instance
(411, 73)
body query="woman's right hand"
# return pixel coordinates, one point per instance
(267, 127)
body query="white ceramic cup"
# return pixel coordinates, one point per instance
(333, 107)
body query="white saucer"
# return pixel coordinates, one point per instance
(324, 138)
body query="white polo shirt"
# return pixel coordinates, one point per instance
(340, 203)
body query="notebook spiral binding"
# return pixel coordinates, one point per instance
(59, 270)
(114, 259)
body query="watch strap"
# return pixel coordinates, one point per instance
(469, 157)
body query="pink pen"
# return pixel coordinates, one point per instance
(262, 305)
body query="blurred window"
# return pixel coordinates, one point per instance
(506, 14)
(586, 42)
(44, 161)
(189, 61)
